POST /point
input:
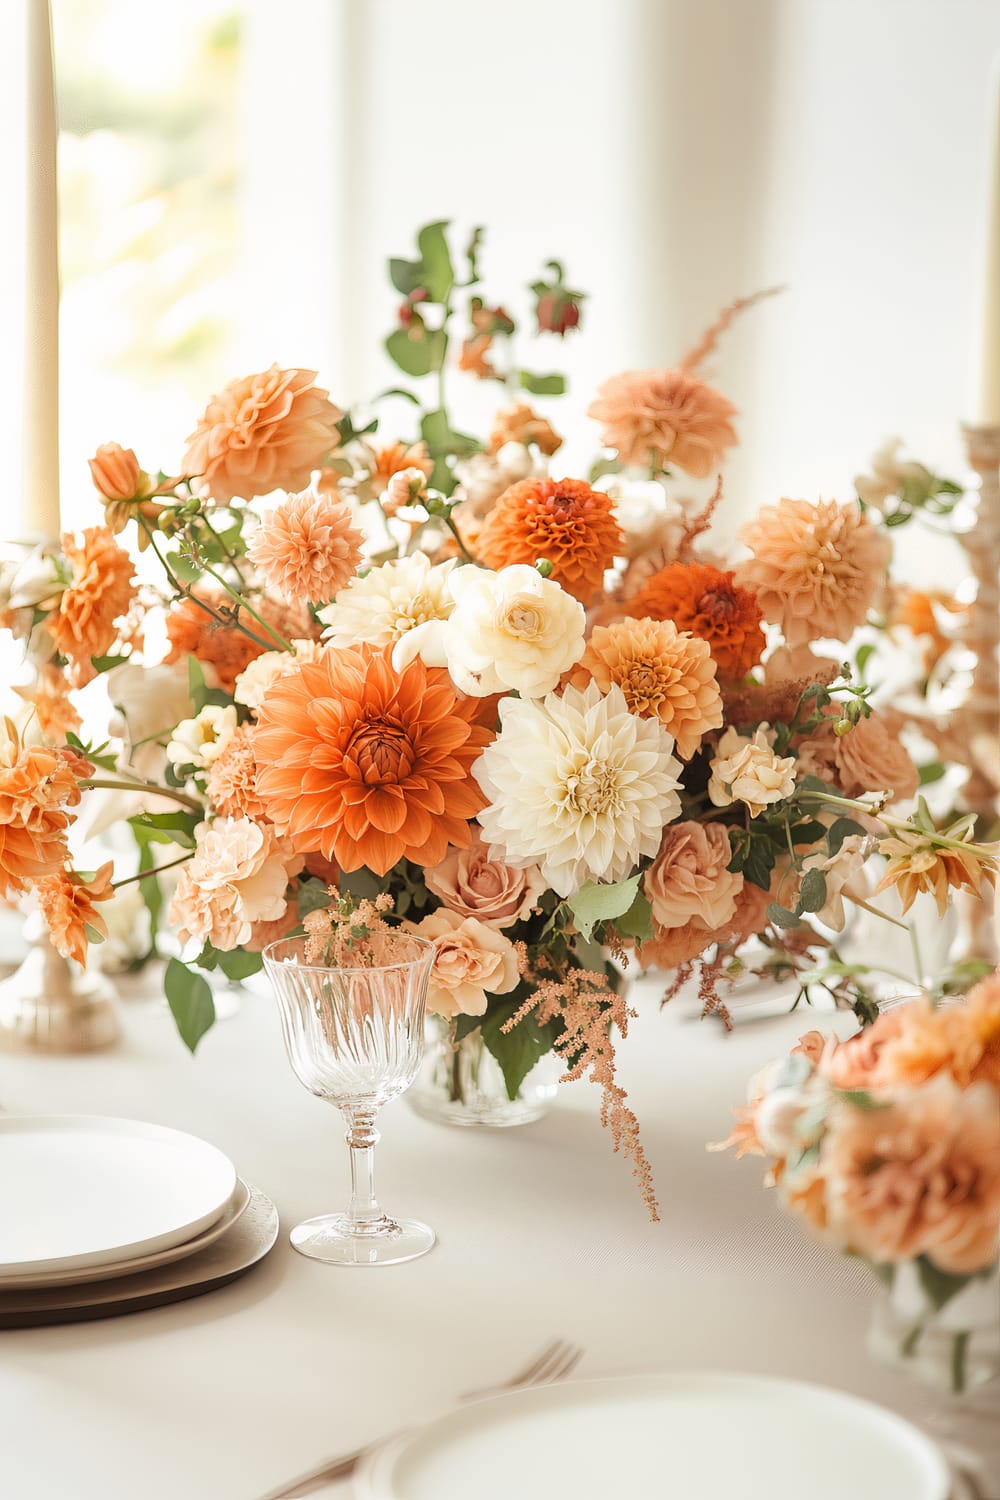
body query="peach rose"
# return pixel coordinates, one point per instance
(919, 1177)
(262, 433)
(473, 884)
(689, 879)
(472, 960)
(871, 759)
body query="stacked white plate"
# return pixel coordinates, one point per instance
(85, 1198)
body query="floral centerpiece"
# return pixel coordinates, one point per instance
(543, 720)
(888, 1147)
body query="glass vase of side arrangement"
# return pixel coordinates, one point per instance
(461, 1083)
(353, 1029)
(944, 1332)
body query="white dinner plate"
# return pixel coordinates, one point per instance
(83, 1190)
(132, 1265)
(697, 1436)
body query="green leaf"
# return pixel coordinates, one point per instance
(542, 385)
(759, 862)
(840, 830)
(150, 890)
(472, 253)
(417, 357)
(637, 922)
(864, 656)
(780, 916)
(812, 892)
(406, 275)
(183, 567)
(808, 833)
(931, 772)
(165, 828)
(441, 438)
(517, 1051)
(239, 964)
(312, 895)
(602, 903)
(465, 1026)
(939, 1286)
(862, 1099)
(105, 663)
(398, 390)
(361, 884)
(196, 683)
(439, 273)
(190, 999)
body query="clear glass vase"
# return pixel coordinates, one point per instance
(952, 1349)
(461, 1083)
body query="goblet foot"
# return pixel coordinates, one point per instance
(337, 1240)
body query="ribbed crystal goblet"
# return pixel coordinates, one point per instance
(354, 1033)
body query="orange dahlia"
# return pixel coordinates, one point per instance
(99, 594)
(562, 520)
(366, 765)
(665, 673)
(665, 416)
(709, 604)
(393, 459)
(66, 901)
(37, 786)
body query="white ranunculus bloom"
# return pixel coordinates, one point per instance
(149, 700)
(578, 786)
(257, 676)
(200, 741)
(379, 608)
(649, 518)
(509, 631)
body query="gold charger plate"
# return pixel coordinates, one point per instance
(242, 1245)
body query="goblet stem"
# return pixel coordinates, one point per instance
(364, 1214)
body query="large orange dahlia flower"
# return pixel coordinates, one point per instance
(709, 604)
(562, 520)
(367, 765)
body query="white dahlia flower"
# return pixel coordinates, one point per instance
(387, 602)
(578, 786)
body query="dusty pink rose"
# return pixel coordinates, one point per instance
(262, 433)
(689, 881)
(871, 759)
(918, 1177)
(238, 876)
(472, 961)
(473, 884)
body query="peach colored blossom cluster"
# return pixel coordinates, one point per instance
(889, 1143)
(238, 877)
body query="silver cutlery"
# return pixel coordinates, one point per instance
(557, 1360)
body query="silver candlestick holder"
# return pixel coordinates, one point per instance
(50, 1005)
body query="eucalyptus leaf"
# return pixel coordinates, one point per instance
(780, 916)
(840, 830)
(812, 892)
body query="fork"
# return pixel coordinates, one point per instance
(557, 1360)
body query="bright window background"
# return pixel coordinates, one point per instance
(234, 177)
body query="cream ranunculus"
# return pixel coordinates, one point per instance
(200, 741)
(747, 770)
(512, 630)
(472, 961)
(255, 679)
(578, 786)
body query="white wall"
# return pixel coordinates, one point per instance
(677, 153)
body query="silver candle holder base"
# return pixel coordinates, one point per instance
(50, 1005)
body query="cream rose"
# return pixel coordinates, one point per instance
(472, 960)
(512, 630)
(473, 884)
(689, 878)
(747, 770)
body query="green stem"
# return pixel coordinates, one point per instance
(875, 912)
(915, 949)
(959, 1351)
(116, 885)
(940, 840)
(283, 645)
(461, 545)
(112, 784)
(184, 592)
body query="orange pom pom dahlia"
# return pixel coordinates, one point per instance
(711, 605)
(562, 520)
(366, 765)
(99, 594)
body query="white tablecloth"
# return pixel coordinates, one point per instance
(541, 1234)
